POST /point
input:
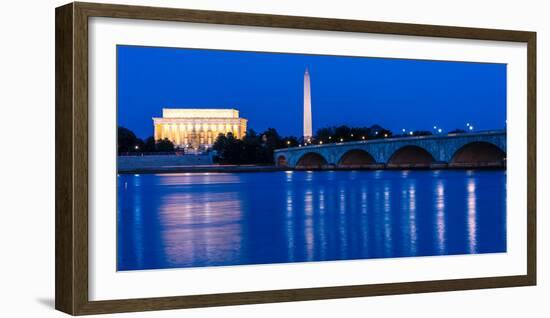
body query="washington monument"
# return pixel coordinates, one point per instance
(307, 108)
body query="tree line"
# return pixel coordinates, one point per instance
(253, 148)
(258, 148)
(128, 142)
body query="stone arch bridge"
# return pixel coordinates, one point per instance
(467, 150)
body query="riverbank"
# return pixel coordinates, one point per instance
(202, 168)
(204, 163)
(265, 168)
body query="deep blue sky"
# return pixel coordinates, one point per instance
(267, 88)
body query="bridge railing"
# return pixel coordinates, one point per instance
(398, 138)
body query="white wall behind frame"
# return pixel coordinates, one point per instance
(27, 64)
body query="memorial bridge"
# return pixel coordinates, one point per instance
(463, 150)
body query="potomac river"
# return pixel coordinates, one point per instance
(213, 219)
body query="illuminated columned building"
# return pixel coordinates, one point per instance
(197, 128)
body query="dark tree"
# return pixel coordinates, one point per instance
(289, 142)
(219, 146)
(149, 145)
(422, 133)
(271, 140)
(254, 148)
(457, 131)
(345, 133)
(360, 133)
(325, 134)
(384, 133)
(229, 149)
(164, 145)
(377, 132)
(127, 141)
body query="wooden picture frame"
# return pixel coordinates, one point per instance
(71, 221)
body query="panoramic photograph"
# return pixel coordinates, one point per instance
(228, 158)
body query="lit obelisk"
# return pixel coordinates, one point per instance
(307, 108)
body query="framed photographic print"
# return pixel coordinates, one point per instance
(218, 158)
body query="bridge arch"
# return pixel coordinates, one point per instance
(478, 154)
(311, 160)
(282, 161)
(410, 156)
(356, 158)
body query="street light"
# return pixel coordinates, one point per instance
(410, 133)
(363, 137)
(320, 142)
(341, 139)
(471, 127)
(136, 147)
(439, 130)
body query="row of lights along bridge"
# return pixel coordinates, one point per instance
(405, 133)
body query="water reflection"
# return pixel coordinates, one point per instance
(387, 221)
(200, 229)
(408, 215)
(412, 218)
(472, 215)
(189, 220)
(342, 225)
(321, 227)
(289, 176)
(308, 210)
(289, 225)
(440, 215)
(137, 221)
(364, 220)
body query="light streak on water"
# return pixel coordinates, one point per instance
(195, 219)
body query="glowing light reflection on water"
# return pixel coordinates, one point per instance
(212, 219)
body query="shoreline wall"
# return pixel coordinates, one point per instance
(134, 163)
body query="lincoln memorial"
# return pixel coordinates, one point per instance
(197, 128)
